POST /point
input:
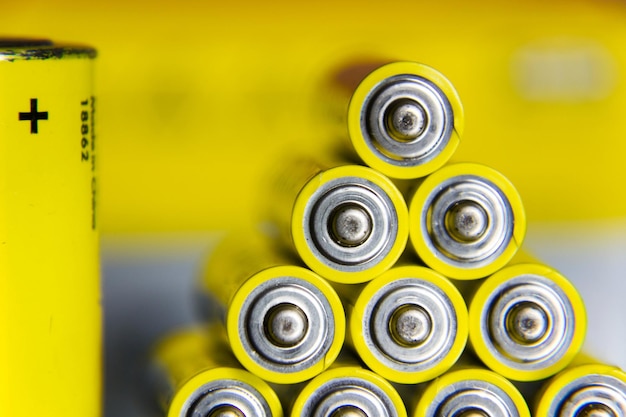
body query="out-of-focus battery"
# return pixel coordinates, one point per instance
(404, 119)
(466, 221)
(527, 322)
(470, 391)
(408, 325)
(348, 223)
(197, 375)
(586, 389)
(50, 321)
(285, 323)
(348, 390)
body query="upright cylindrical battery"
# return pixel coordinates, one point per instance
(284, 322)
(404, 119)
(408, 325)
(50, 320)
(466, 221)
(471, 392)
(348, 223)
(197, 375)
(527, 322)
(348, 390)
(585, 390)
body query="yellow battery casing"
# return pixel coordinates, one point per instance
(465, 373)
(50, 321)
(188, 359)
(355, 115)
(485, 289)
(581, 366)
(526, 71)
(358, 323)
(347, 368)
(294, 190)
(429, 185)
(239, 264)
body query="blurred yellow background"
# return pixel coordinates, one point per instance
(197, 98)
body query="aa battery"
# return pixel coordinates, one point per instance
(348, 223)
(408, 325)
(348, 390)
(527, 322)
(198, 376)
(466, 221)
(404, 119)
(471, 392)
(50, 326)
(587, 390)
(284, 322)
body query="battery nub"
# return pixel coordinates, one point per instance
(227, 411)
(410, 325)
(405, 120)
(527, 323)
(467, 221)
(348, 411)
(351, 224)
(286, 325)
(473, 412)
(595, 410)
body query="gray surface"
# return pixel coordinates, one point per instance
(148, 286)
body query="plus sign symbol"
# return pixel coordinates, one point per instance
(33, 116)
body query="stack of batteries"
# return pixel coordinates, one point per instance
(405, 313)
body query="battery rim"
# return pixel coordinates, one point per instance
(517, 371)
(370, 352)
(361, 96)
(420, 230)
(191, 390)
(560, 387)
(357, 377)
(323, 354)
(390, 198)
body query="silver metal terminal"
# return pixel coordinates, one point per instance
(409, 325)
(348, 411)
(351, 395)
(473, 412)
(528, 322)
(595, 410)
(406, 120)
(472, 398)
(286, 324)
(467, 221)
(596, 395)
(350, 224)
(226, 398)
(227, 411)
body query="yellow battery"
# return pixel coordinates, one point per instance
(408, 325)
(404, 119)
(197, 374)
(471, 391)
(348, 223)
(527, 322)
(285, 323)
(588, 388)
(50, 325)
(466, 221)
(347, 389)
